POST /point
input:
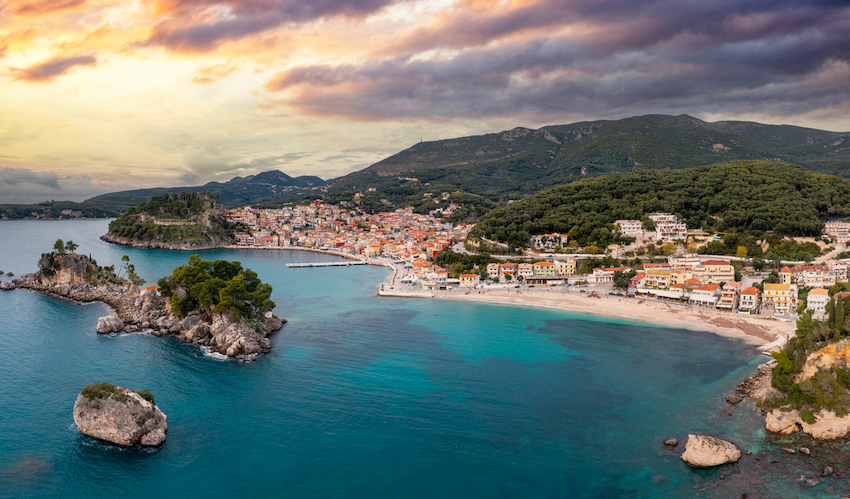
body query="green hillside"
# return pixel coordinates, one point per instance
(519, 162)
(57, 210)
(751, 196)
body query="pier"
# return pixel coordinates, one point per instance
(324, 264)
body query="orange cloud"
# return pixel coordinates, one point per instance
(210, 74)
(51, 69)
(36, 8)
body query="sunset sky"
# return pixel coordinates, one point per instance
(105, 95)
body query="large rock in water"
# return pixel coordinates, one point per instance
(703, 451)
(110, 324)
(828, 425)
(7, 285)
(119, 415)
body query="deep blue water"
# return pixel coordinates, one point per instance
(361, 396)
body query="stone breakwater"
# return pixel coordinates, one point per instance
(146, 310)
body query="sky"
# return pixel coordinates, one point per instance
(105, 95)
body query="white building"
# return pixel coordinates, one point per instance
(839, 231)
(630, 228)
(816, 301)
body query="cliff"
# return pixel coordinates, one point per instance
(79, 278)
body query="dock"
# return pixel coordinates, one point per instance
(325, 264)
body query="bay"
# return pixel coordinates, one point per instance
(361, 396)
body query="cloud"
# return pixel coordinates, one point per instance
(618, 58)
(203, 25)
(52, 68)
(211, 74)
(22, 186)
(35, 8)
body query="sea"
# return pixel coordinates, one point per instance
(365, 396)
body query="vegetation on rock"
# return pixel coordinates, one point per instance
(187, 218)
(217, 287)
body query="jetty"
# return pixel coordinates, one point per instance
(325, 264)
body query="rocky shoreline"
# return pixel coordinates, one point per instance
(145, 310)
(120, 241)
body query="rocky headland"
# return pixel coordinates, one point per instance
(119, 415)
(79, 278)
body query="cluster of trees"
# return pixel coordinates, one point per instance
(176, 205)
(829, 388)
(749, 245)
(751, 195)
(216, 287)
(458, 263)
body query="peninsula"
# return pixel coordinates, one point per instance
(184, 221)
(217, 304)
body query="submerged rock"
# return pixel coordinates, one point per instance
(119, 415)
(703, 451)
(733, 399)
(109, 324)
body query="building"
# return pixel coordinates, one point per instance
(816, 301)
(729, 296)
(494, 270)
(716, 271)
(667, 227)
(550, 241)
(814, 276)
(684, 261)
(663, 279)
(602, 275)
(750, 300)
(565, 267)
(838, 231)
(544, 268)
(704, 295)
(629, 228)
(781, 297)
(545, 280)
(469, 280)
(525, 270)
(508, 269)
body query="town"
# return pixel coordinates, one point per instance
(411, 242)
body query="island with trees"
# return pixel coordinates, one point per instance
(218, 305)
(186, 221)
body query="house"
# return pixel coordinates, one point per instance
(667, 227)
(629, 228)
(508, 269)
(807, 275)
(637, 282)
(750, 300)
(544, 268)
(729, 296)
(469, 280)
(565, 267)
(663, 279)
(494, 270)
(782, 297)
(816, 301)
(838, 231)
(687, 262)
(704, 295)
(550, 241)
(525, 270)
(716, 271)
(602, 275)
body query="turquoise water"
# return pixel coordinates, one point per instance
(361, 396)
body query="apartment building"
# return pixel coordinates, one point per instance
(781, 297)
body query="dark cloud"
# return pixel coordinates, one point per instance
(23, 186)
(195, 26)
(48, 70)
(660, 56)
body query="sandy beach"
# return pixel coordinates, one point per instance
(753, 329)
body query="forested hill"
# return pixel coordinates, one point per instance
(750, 195)
(522, 161)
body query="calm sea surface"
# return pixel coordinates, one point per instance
(362, 396)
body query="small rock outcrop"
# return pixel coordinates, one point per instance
(703, 451)
(827, 425)
(109, 324)
(119, 415)
(7, 285)
(671, 442)
(734, 399)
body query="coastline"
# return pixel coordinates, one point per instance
(756, 331)
(764, 333)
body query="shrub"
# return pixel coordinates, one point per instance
(147, 395)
